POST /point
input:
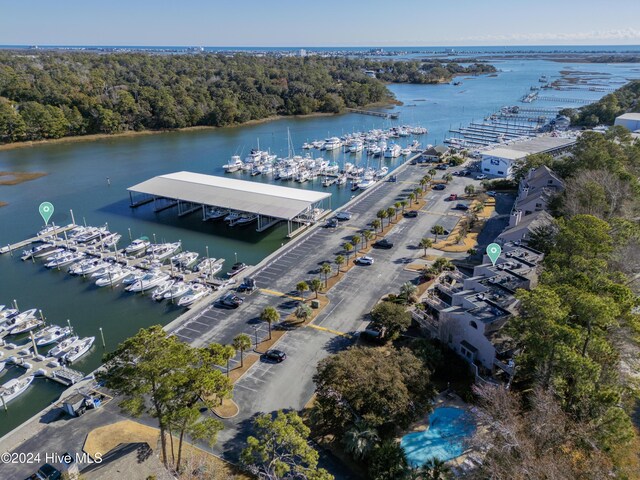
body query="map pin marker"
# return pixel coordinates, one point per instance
(46, 210)
(493, 252)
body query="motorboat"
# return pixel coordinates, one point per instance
(26, 326)
(164, 250)
(232, 217)
(113, 277)
(392, 151)
(133, 277)
(302, 176)
(342, 180)
(87, 266)
(215, 214)
(177, 290)
(14, 388)
(47, 252)
(52, 334)
(48, 231)
(22, 317)
(332, 143)
(91, 234)
(65, 260)
(364, 184)
(236, 269)
(307, 146)
(62, 347)
(356, 147)
(104, 271)
(78, 349)
(234, 165)
(405, 152)
(195, 293)
(42, 248)
(148, 281)
(184, 259)
(164, 287)
(111, 240)
(8, 314)
(137, 246)
(245, 219)
(207, 264)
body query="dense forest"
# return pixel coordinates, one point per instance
(55, 94)
(604, 111)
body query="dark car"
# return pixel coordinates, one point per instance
(373, 333)
(248, 285)
(411, 214)
(49, 472)
(231, 300)
(439, 186)
(461, 206)
(442, 166)
(275, 355)
(393, 178)
(331, 223)
(384, 243)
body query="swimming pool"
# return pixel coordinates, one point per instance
(449, 427)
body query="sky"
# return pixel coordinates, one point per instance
(290, 23)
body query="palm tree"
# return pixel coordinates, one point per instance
(408, 290)
(303, 311)
(360, 440)
(348, 247)
(339, 261)
(442, 264)
(397, 207)
(326, 270)
(355, 241)
(270, 315)
(367, 235)
(418, 192)
(412, 197)
(469, 189)
(390, 213)
(228, 352)
(423, 181)
(433, 172)
(404, 203)
(425, 243)
(376, 224)
(302, 287)
(437, 230)
(434, 469)
(242, 342)
(315, 286)
(382, 214)
(448, 177)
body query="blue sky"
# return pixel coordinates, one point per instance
(320, 23)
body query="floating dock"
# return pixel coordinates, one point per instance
(374, 113)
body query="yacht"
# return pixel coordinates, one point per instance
(236, 269)
(195, 293)
(78, 349)
(48, 231)
(148, 281)
(392, 151)
(87, 266)
(113, 277)
(8, 314)
(14, 388)
(366, 183)
(302, 176)
(91, 234)
(215, 213)
(137, 246)
(234, 165)
(65, 260)
(232, 217)
(62, 348)
(22, 317)
(245, 219)
(356, 147)
(104, 271)
(26, 326)
(177, 290)
(48, 252)
(111, 240)
(184, 259)
(405, 152)
(133, 277)
(374, 150)
(161, 290)
(163, 251)
(207, 265)
(42, 248)
(342, 180)
(332, 143)
(51, 335)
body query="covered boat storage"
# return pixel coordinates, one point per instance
(271, 203)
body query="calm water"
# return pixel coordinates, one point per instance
(77, 180)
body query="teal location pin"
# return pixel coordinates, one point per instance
(493, 252)
(46, 210)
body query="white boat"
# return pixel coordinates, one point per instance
(14, 388)
(87, 266)
(39, 249)
(164, 287)
(405, 152)
(26, 326)
(364, 184)
(92, 233)
(177, 290)
(302, 176)
(62, 348)
(111, 240)
(113, 277)
(134, 276)
(195, 293)
(356, 147)
(47, 252)
(105, 270)
(65, 260)
(148, 281)
(234, 165)
(392, 151)
(22, 317)
(51, 335)
(184, 259)
(307, 146)
(342, 180)
(332, 143)
(137, 246)
(8, 314)
(215, 214)
(48, 231)
(78, 349)
(163, 251)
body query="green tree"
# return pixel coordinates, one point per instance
(469, 190)
(390, 213)
(403, 203)
(325, 269)
(360, 440)
(381, 215)
(355, 241)
(339, 261)
(432, 172)
(425, 243)
(271, 316)
(396, 207)
(447, 177)
(408, 291)
(437, 230)
(303, 311)
(242, 342)
(302, 287)
(367, 235)
(412, 197)
(391, 317)
(376, 224)
(280, 448)
(388, 462)
(315, 286)
(348, 248)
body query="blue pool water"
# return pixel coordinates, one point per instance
(449, 427)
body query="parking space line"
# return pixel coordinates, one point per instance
(329, 330)
(280, 294)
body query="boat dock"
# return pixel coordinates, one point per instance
(374, 113)
(38, 238)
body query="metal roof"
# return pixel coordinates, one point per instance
(520, 149)
(254, 197)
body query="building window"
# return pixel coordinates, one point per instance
(473, 324)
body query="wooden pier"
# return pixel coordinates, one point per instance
(38, 238)
(374, 113)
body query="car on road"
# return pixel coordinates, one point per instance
(275, 355)
(465, 173)
(248, 285)
(410, 214)
(384, 243)
(461, 206)
(46, 472)
(344, 215)
(482, 176)
(492, 193)
(231, 300)
(442, 166)
(331, 223)
(439, 186)
(393, 178)
(364, 261)
(452, 197)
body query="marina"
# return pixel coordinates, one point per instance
(84, 167)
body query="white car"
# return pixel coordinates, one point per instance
(482, 176)
(344, 215)
(491, 193)
(364, 261)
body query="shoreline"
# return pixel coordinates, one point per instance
(131, 133)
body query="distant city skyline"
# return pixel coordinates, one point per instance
(288, 23)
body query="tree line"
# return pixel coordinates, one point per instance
(604, 111)
(49, 95)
